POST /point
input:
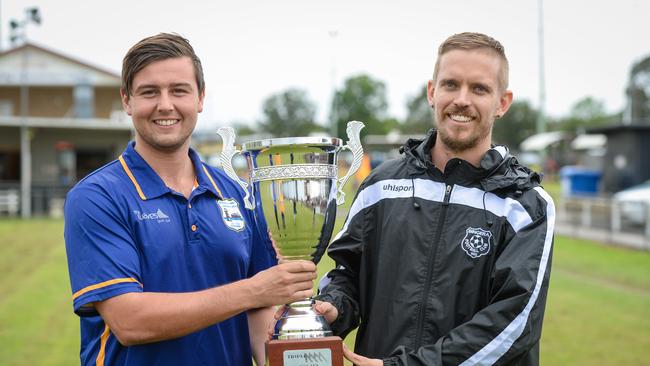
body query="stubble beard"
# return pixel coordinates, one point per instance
(162, 144)
(458, 145)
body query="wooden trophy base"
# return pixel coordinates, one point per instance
(326, 351)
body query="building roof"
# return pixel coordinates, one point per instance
(541, 141)
(46, 67)
(589, 141)
(616, 129)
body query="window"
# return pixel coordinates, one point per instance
(84, 101)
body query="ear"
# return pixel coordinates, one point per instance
(504, 103)
(431, 87)
(201, 98)
(126, 102)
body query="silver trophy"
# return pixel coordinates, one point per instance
(295, 181)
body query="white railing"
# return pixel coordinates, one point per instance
(606, 220)
(9, 202)
(116, 122)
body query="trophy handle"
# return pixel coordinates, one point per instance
(354, 145)
(228, 151)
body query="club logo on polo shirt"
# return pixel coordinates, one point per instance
(158, 216)
(476, 242)
(231, 215)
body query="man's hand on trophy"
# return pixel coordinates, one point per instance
(278, 256)
(285, 283)
(271, 327)
(359, 360)
(327, 310)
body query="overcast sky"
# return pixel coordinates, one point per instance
(252, 49)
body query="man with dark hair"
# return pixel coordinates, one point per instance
(445, 256)
(166, 266)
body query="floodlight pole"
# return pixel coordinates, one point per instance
(334, 117)
(541, 118)
(19, 33)
(1, 26)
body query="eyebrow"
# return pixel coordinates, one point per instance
(155, 86)
(473, 84)
(482, 84)
(175, 85)
(446, 80)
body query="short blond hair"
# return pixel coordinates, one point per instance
(471, 41)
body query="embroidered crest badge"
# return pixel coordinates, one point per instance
(476, 242)
(231, 215)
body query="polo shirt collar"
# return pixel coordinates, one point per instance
(149, 185)
(203, 177)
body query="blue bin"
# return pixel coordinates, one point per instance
(579, 181)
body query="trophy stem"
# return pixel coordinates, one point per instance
(299, 320)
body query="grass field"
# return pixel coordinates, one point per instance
(598, 310)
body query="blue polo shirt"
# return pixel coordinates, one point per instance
(125, 231)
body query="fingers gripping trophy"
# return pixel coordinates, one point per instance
(295, 182)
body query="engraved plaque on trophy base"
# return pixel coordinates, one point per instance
(326, 351)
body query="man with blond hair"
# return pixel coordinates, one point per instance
(445, 256)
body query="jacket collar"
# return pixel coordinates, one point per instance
(497, 170)
(149, 185)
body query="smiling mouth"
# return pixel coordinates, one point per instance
(460, 117)
(166, 122)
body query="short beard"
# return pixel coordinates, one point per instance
(458, 145)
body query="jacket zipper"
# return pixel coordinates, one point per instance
(428, 280)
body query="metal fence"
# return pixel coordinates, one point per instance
(47, 199)
(605, 220)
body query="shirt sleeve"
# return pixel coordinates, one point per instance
(103, 259)
(511, 324)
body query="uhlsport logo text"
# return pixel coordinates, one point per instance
(396, 188)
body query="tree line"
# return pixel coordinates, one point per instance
(292, 113)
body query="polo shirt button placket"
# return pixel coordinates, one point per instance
(192, 220)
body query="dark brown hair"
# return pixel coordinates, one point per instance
(157, 48)
(471, 41)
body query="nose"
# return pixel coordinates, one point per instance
(165, 103)
(462, 97)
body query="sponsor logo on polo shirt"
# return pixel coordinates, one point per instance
(158, 216)
(231, 215)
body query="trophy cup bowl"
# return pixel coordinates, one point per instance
(295, 182)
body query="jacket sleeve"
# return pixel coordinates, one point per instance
(509, 327)
(342, 288)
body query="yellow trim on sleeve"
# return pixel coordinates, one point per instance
(103, 284)
(135, 183)
(212, 181)
(102, 347)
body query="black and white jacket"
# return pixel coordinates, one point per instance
(445, 269)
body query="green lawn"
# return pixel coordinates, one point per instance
(37, 325)
(597, 313)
